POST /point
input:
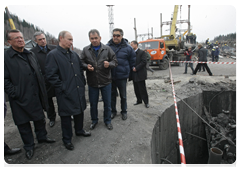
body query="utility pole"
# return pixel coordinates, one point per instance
(189, 19)
(110, 19)
(160, 24)
(135, 28)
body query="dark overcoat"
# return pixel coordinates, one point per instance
(141, 71)
(25, 87)
(41, 56)
(64, 70)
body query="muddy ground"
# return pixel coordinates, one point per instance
(130, 141)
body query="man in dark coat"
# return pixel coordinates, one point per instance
(98, 60)
(202, 56)
(64, 72)
(139, 75)
(41, 50)
(24, 84)
(120, 74)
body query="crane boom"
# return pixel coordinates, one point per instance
(10, 19)
(174, 21)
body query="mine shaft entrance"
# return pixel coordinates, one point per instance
(218, 109)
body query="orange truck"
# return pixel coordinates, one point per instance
(160, 53)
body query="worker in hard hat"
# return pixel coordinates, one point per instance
(216, 54)
(207, 41)
(212, 53)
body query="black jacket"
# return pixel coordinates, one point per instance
(202, 54)
(101, 76)
(41, 56)
(24, 84)
(141, 71)
(64, 70)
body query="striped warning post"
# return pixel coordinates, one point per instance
(209, 62)
(181, 148)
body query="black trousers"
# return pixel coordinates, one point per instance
(141, 91)
(203, 65)
(26, 134)
(51, 114)
(66, 124)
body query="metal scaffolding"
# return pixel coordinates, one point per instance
(110, 19)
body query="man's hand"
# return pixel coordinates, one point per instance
(134, 69)
(106, 64)
(90, 67)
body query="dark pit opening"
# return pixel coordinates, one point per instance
(218, 109)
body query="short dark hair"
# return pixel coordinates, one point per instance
(11, 31)
(118, 29)
(93, 31)
(135, 42)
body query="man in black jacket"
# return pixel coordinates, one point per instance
(41, 50)
(64, 71)
(98, 60)
(139, 75)
(202, 56)
(25, 87)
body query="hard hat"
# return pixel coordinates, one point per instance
(216, 46)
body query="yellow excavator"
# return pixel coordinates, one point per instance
(167, 48)
(10, 19)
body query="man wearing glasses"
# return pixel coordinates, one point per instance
(126, 62)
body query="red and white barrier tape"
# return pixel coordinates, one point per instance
(181, 148)
(203, 62)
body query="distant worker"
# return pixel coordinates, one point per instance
(216, 54)
(213, 54)
(148, 61)
(188, 55)
(41, 50)
(126, 61)
(207, 41)
(25, 87)
(64, 71)
(187, 38)
(98, 60)
(202, 56)
(194, 38)
(139, 75)
(216, 43)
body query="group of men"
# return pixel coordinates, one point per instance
(202, 57)
(32, 78)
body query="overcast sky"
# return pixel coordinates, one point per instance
(207, 20)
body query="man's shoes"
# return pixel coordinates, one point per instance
(29, 154)
(12, 151)
(184, 73)
(69, 146)
(113, 115)
(193, 74)
(52, 123)
(109, 126)
(92, 126)
(124, 116)
(203, 71)
(84, 133)
(137, 103)
(147, 105)
(47, 140)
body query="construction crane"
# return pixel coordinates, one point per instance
(10, 19)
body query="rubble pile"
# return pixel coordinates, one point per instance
(223, 136)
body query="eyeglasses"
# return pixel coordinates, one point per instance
(116, 35)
